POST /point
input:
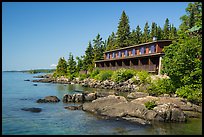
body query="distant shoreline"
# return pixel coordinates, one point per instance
(34, 71)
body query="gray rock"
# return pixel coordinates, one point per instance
(90, 96)
(135, 95)
(49, 99)
(79, 107)
(35, 110)
(137, 120)
(170, 112)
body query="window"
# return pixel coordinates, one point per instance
(126, 53)
(113, 56)
(133, 52)
(142, 50)
(153, 49)
(119, 54)
(108, 56)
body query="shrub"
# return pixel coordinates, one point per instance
(192, 93)
(83, 76)
(150, 105)
(94, 73)
(143, 76)
(161, 86)
(104, 75)
(122, 75)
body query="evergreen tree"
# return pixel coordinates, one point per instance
(123, 32)
(159, 33)
(153, 32)
(166, 29)
(111, 42)
(88, 58)
(61, 69)
(79, 65)
(136, 36)
(146, 33)
(71, 66)
(173, 32)
(98, 48)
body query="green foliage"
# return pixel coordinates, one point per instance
(123, 32)
(61, 68)
(143, 76)
(161, 86)
(111, 42)
(104, 75)
(146, 33)
(79, 65)
(71, 67)
(166, 29)
(192, 92)
(150, 105)
(122, 75)
(83, 76)
(98, 48)
(94, 73)
(88, 58)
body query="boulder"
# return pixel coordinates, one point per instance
(79, 97)
(67, 98)
(135, 95)
(49, 99)
(35, 110)
(170, 112)
(90, 96)
(79, 107)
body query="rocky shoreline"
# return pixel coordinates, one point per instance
(168, 108)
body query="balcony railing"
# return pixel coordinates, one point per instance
(150, 68)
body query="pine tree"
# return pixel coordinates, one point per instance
(146, 35)
(98, 48)
(71, 66)
(173, 32)
(111, 42)
(166, 29)
(88, 58)
(153, 32)
(123, 32)
(79, 65)
(159, 33)
(136, 36)
(61, 69)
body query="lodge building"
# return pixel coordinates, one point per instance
(145, 56)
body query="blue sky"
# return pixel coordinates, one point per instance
(35, 35)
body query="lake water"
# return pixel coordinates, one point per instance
(55, 120)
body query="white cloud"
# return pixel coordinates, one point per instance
(53, 65)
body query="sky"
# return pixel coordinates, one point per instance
(36, 34)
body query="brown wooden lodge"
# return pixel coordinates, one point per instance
(145, 56)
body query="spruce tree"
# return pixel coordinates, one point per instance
(79, 65)
(166, 29)
(61, 69)
(153, 32)
(88, 58)
(71, 66)
(111, 42)
(98, 48)
(146, 35)
(123, 32)
(159, 33)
